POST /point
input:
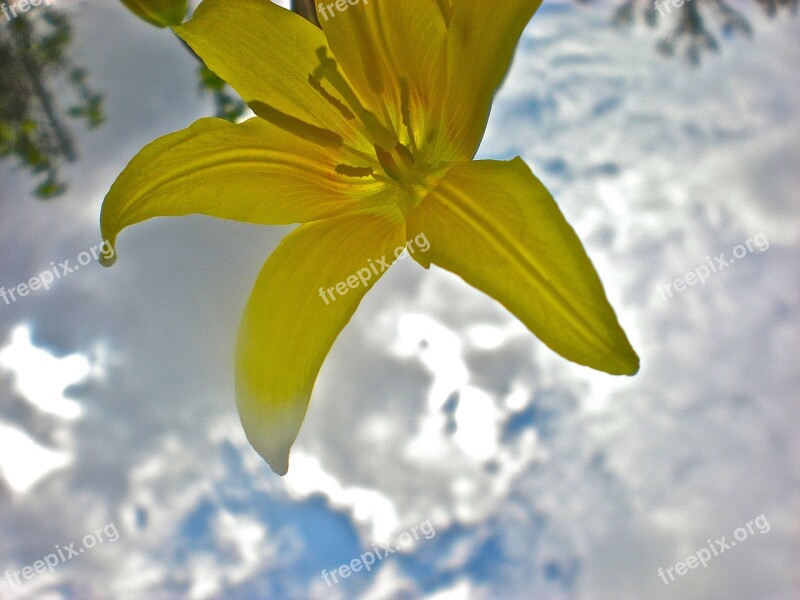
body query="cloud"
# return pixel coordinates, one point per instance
(541, 477)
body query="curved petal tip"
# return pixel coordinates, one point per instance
(275, 452)
(107, 261)
(271, 427)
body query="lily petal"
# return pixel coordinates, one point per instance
(521, 251)
(288, 328)
(161, 13)
(266, 53)
(253, 172)
(482, 39)
(379, 44)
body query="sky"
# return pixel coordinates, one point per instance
(439, 428)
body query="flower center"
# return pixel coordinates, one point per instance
(393, 162)
(401, 163)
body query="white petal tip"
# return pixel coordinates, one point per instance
(279, 467)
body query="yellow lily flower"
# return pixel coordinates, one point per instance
(161, 13)
(365, 133)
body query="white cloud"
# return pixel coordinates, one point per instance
(23, 462)
(28, 364)
(435, 403)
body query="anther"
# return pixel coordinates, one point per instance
(387, 162)
(349, 171)
(405, 102)
(317, 85)
(318, 135)
(328, 69)
(405, 154)
(405, 109)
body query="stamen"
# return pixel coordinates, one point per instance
(446, 9)
(358, 154)
(387, 162)
(405, 102)
(317, 85)
(405, 108)
(349, 171)
(385, 112)
(383, 179)
(380, 135)
(318, 135)
(405, 154)
(328, 70)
